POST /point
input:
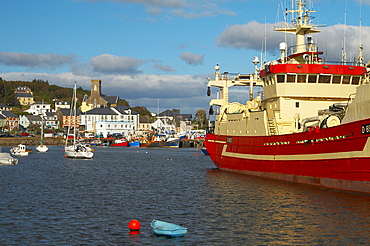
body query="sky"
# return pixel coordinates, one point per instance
(159, 53)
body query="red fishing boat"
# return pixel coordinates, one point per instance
(120, 142)
(311, 125)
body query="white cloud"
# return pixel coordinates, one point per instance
(164, 68)
(186, 92)
(153, 10)
(112, 64)
(330, 40)
(192, 59)
(35, 61)
(188, 9)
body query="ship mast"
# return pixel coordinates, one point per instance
(301, 26)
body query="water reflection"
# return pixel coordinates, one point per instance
(275, 213)
(58, 201)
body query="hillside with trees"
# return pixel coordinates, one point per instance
(42, 91)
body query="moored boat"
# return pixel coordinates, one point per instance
(72, 148)
(310, 126)
(121, 142)
(161, 228)
(135, 143)
(20, 150)
(7, 159)
(42, 147)
(162, 140)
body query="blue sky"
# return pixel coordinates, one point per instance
(144, 50)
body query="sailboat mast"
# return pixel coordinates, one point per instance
(74, 113)
(42, 128)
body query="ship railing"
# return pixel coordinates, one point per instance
(235, 76)
(314, 48)
(308, 47)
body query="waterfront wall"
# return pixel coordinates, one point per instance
(191, 143)
(30, 141)
(34, 141)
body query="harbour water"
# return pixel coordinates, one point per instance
(49, 200)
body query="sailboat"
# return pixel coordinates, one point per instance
(72, 148)
(41, 147)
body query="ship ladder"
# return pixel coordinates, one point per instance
(272, 126)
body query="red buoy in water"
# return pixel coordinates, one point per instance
(134, 225)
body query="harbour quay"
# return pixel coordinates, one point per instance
(56, 141)
(191, 143)
(30, 141)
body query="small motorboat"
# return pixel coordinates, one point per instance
(7, 159)
(161, 228)
(19, 150)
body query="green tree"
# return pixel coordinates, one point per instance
(201, 118)
(142, 110)
(176, 110)
(123, 102)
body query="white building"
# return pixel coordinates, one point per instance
(26, 120)
(108, 121)
(62, 104)
(39, 108)
(164, 126)
(51, 120)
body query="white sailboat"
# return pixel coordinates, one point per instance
(41, 147)
(72, 148)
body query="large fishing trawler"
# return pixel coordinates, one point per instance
(310, 126)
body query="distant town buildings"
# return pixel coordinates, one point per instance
(39, 108)
(108, 121)
(24, 95)
(61, 104)
(11, 120)
(66, 118)
(99, 115)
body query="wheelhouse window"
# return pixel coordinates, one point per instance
(324, 79)
(336, 79)
(265, 81)
(301, 78)
(355, 80)
(280, 78)
(346, 80)
(272, 80)
(312, 78)
(290, 78)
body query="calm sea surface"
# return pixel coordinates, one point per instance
(49, 200)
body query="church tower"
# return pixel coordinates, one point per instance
(96, 99)
(95, 92)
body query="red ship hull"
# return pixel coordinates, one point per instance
(336, 157)
(123, 144)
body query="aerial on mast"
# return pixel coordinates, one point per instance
(302, 25)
